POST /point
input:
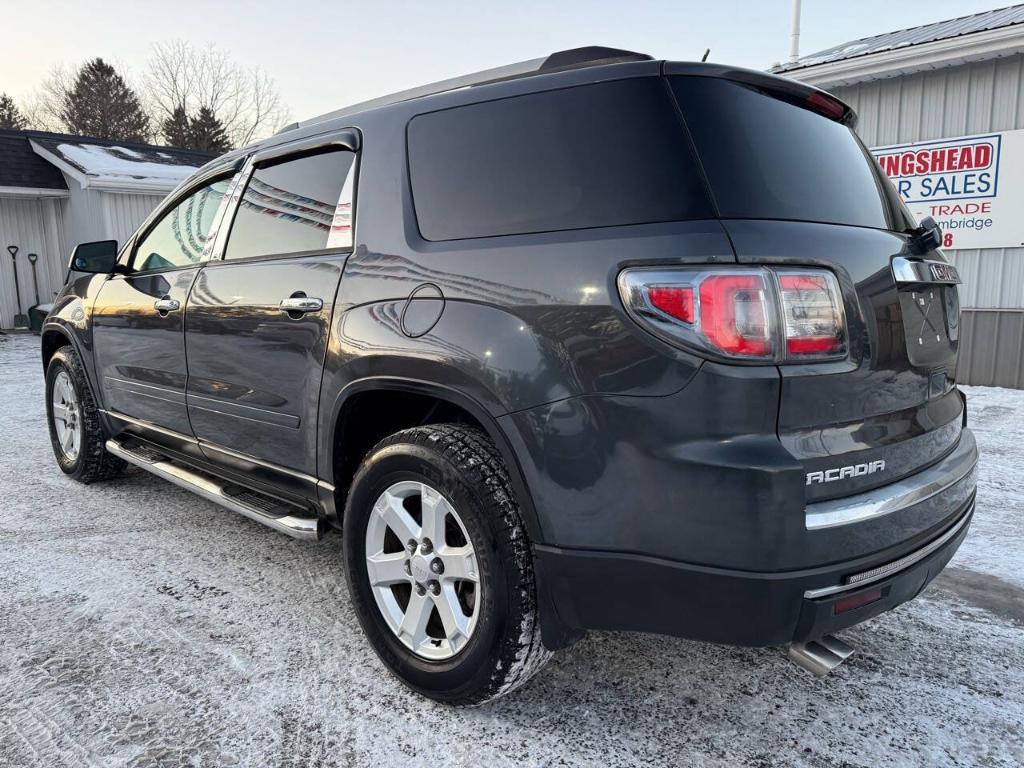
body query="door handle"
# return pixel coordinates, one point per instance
(301, 304)
(166, 304)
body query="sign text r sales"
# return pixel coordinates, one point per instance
(941, 172)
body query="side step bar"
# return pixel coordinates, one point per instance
(820, 656)
(256, 506)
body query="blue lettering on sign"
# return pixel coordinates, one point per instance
(952, 185)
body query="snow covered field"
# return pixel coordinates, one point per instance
(143, 626)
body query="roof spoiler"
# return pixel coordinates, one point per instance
(575, 58)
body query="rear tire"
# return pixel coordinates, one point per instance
(79, 444)
(459, 471)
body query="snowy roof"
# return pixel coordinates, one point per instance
(907, 38)
(117, 165)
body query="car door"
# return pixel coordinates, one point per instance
(258, 318)
(138, 316)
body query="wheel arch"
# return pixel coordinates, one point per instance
(477, 413)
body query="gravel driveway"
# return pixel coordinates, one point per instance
(143, 626)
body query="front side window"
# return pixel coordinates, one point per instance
(294, 206)
(185, 234)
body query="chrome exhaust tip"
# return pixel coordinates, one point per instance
(820, 656)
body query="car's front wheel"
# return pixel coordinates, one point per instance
(439, 565)
(75, 432)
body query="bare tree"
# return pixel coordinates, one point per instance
(43, 109)
(181, 76)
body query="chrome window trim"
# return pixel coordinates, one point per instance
(960, 465)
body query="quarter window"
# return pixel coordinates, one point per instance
(185, 234)
(590, 156)
(294, 206)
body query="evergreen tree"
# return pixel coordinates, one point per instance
(10, 115)
(175, 129)
(206, 132)
(100, 104)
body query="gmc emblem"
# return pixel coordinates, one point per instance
(944, 273)
(843, 473)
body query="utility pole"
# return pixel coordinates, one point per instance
(794, 34)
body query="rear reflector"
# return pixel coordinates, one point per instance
(856, 601)
(674, 300)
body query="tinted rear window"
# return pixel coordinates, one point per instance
(768, 159)
(591, 156)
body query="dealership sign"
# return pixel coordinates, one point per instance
(972, 186)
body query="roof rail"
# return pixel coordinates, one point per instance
(575, 58)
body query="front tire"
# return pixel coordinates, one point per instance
(439, 565)
(75, 432)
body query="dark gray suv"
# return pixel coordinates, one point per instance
(593, 342)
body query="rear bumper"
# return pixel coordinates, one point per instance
(604, 590)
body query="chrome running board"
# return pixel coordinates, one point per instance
(820, 656)
(252, 504)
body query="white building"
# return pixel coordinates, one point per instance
(57, 191)
(942, 107)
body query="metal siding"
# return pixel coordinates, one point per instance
(991, 349)
(123, 213)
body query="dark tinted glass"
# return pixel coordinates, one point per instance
(592, 156)
(183, 236)
(292, 207)
(769, 159)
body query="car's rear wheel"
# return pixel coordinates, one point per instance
(75, 432)
(439, 565)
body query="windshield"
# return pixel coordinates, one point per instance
(766, 158)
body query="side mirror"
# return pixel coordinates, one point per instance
(98, 258)
(928, 236)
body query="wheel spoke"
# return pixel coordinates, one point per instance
(67, 440)
(456, 623)
(397, 518)
(60, 411)
(460, 564)
(414, 623)
(434, 509)
(385, 569)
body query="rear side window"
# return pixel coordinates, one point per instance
(293, 206)
(591, 156)
(769, 159)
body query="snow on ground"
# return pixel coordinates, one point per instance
(142, 626)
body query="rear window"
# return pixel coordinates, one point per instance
(591, 156)
(769, 159)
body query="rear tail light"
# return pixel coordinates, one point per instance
(762, 315)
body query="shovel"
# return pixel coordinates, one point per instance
(20, 319)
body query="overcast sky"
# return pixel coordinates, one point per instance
(325, 55)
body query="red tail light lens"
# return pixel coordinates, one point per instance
(736, 313)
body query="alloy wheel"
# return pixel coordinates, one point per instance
(423, 570)
(67, 416)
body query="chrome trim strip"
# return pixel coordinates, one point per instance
(237, 410)
(907, 271)
(958, 466)
(306, 528)
(883, 571)
(110, 412)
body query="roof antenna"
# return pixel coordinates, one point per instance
(794, 34)
(707, 51)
